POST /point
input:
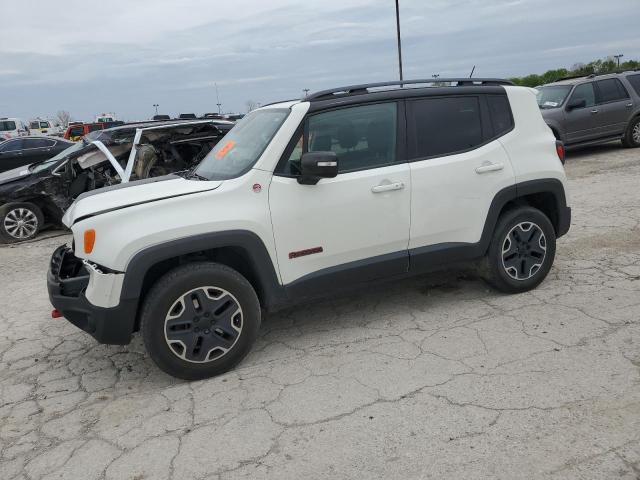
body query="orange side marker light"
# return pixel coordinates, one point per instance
(89, 240)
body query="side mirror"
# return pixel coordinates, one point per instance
(317, 165)
(577, 103)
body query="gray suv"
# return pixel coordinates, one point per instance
(593, 109)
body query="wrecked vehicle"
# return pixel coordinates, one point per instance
(35, 196)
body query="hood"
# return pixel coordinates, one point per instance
(133, 193)
(15, 174)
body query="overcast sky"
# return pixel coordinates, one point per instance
(123, 56)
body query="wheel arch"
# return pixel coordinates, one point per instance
(547, 195)
(241, 250)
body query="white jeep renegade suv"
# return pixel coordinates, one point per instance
(307, 198)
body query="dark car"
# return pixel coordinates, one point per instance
(37, 195)
(20, 151)
(161, 117)
(593, 109)
(187, 116)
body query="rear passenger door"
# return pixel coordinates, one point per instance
(457, 166)
(614, 105)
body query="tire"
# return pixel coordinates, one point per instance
(519, 259)
(631, 137)
(20, 221)
(200, 320)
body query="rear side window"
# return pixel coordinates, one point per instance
(443, 126)
(611, 90)
(76, 132)
(634, 80)
(36, 143)
(500, 112)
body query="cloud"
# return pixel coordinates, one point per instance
(125, 56)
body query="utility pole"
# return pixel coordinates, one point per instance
(156, 105)
(618, 57)
(218, 98)
(399, 40)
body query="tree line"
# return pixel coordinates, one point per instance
(606, 65)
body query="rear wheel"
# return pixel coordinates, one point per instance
(631, 137)
(522, 250)
(200, 320)
(20, 222)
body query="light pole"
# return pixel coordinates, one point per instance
(399, 40)
(618, 57)
(306, 92)
(156, 105)
(435, 76)
(218, 98)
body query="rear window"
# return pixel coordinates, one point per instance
(7, 125)
(634, 80)
(500, 111)
(611, 90)
(44, 125)
(76, 132)
(443, 126)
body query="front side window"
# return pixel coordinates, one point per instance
(241, 148)
(584, 92)
(443, 126)
(611, 90)
(11, 145)
(361, 137)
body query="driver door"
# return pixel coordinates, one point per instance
(352, 228)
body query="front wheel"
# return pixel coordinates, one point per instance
(200, 320)
(631, 137)
(522, 250)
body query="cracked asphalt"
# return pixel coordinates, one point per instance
(436, 377)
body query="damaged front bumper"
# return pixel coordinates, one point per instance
(68, 280)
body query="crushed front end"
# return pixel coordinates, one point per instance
(68, 280)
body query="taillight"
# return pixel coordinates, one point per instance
(560, 150)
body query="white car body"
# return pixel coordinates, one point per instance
(12, 127)
(438, 208)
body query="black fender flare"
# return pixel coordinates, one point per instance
(250, 244)
(520, 190)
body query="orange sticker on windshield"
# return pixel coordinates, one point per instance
(224, 150)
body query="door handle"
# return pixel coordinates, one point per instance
(387, 187)
(629, 105)
(595, 110)
(491, 167)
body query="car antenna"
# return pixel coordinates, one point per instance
(472, 70)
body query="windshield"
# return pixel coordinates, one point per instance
(38, 167)
(7, 125)
(240, 149)
(552, 96)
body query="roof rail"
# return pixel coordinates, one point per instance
(364, 88)
(594, 74)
